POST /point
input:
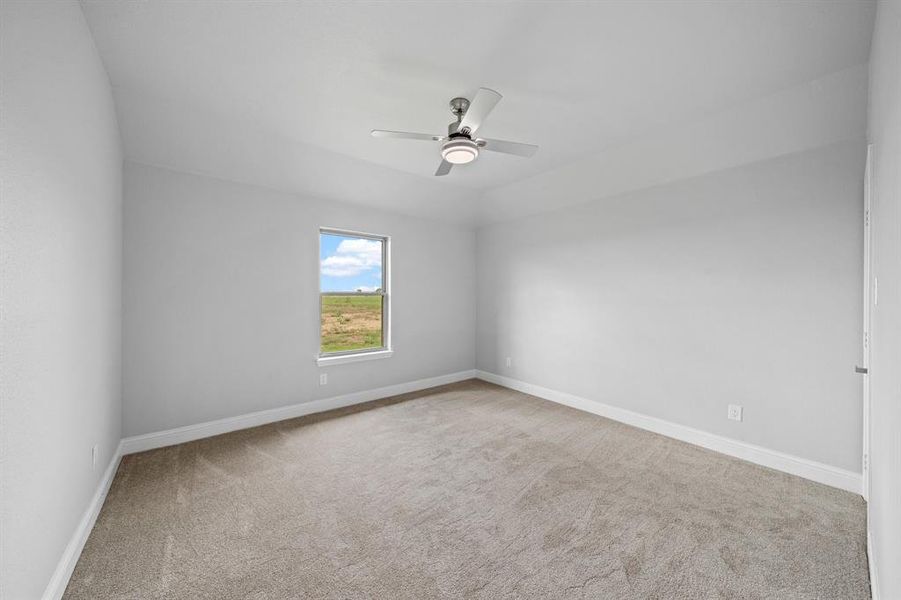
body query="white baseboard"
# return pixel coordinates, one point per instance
(180, 435)
(871, 561)
(821, 473)
(60, 579)
(808, 469)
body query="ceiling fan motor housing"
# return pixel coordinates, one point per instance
(459, 148)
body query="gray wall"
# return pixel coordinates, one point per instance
(61, 249)
(885, 358)
(741, 286)
(221, 299)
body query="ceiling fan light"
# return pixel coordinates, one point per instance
(460, 151)
(460, 156)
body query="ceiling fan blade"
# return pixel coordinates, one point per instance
(405, 135)
(480, 107)
(443, 169)
(508, 147)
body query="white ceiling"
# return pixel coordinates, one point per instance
(284, 93)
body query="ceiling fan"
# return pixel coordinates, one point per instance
(459, 146)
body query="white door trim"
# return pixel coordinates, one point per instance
(867, 309)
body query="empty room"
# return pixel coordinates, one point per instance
(410, 299)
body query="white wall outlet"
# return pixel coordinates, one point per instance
(323, 379)
(509, 361)
(735, 411)
(94, 452)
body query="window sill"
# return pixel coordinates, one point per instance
(327, 361)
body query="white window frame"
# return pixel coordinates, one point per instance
(348, 356)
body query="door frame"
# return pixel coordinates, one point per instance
(867, 316)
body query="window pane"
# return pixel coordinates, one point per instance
(351, 322)
(349, 264)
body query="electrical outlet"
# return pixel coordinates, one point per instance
(94, 452)
(323, 379)
(509, 361)
(735, 411)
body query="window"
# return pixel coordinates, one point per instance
(353, 296)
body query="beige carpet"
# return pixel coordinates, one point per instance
(465, 491)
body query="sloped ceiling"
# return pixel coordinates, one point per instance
(283, 94)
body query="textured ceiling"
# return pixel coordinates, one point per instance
(284, 93)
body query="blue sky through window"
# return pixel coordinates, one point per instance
(349, 264)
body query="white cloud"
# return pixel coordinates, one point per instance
(353, 257)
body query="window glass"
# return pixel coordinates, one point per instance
(353, 298)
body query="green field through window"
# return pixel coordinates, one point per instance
(351, 323)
